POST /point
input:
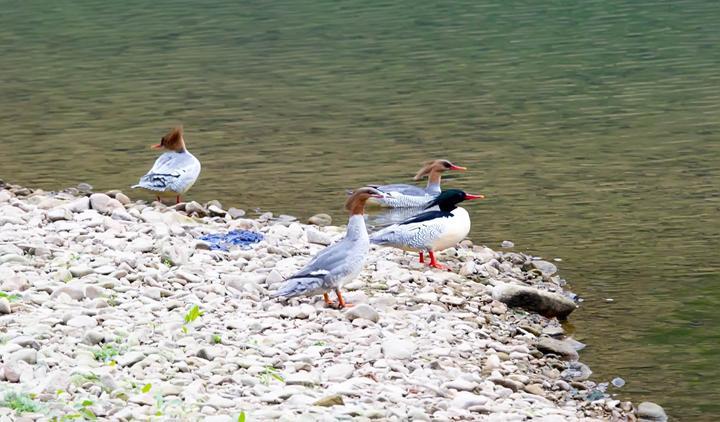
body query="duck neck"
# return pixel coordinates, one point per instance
(356, 227)
(433, 184)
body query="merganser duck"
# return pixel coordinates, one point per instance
(175, 171)
(338, 263)
(431, 231)
(401, 196)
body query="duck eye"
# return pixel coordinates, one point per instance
(447, 164)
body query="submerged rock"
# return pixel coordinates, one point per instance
(529, 298)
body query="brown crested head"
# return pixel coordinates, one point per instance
(355, 204)
(436, 167)
(173, 141)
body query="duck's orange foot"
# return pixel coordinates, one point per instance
(327, 300)
(440, 266)
(435, 264)
(341, 301)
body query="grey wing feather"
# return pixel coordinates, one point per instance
(328, 260)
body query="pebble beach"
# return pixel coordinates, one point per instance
(115, 309)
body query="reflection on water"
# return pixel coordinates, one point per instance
(592, 128)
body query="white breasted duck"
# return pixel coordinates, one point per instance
(431, 231)
(402, 196)
(175, 171)
(339, 263)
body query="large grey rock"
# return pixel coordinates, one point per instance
(558, 347)
(651, 412)
(534, 300)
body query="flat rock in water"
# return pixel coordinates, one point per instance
(534, 300)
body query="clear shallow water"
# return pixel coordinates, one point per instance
(591, 126)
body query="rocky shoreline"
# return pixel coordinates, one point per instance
(114, 309)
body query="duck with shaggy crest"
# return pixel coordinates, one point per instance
(431, 231)
(175, 171)
(339, 263)
(405, 196)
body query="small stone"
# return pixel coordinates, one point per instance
(651, 412)
(508, 383)
(301, 378)
(235, 212)
(80, 270)
(465, 399)
(204, 353)
(103, 203)
(56, 214)
(334, 400)
(339, 372)
(4, 306)
(121, 215)
(617, 382)
(216, 211)
(316, 236)
(363, 311)
(122, 198)
(93, 337)
(507, 244)
(535, 389)
(130, 358)
(394, 348)
(219, 402)
(25, 355)
(82, 321)
(558, 347)
(320, 220)
(195, 208)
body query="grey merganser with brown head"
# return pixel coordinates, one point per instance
(175, 171)
(339, 263)
(402, 196)
(431, 231)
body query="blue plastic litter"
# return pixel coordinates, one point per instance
(223, 242)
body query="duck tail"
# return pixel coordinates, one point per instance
(299, 287)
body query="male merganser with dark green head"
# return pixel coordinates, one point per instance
(431, 231)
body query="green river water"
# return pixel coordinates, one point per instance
(592, 126)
